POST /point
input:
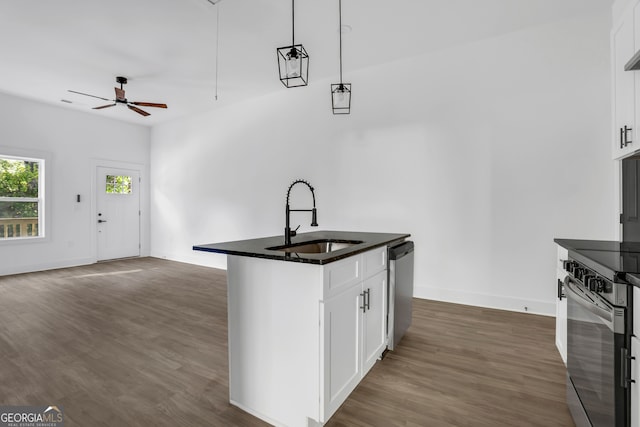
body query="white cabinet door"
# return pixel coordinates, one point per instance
(622, 49)
(374, 319)
(341, 324)
(561, 305)
(561, 328)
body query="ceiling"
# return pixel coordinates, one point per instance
(167, 48)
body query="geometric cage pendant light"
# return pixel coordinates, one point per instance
(293, 61)
(341, 92)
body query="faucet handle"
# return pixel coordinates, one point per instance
(293, 232)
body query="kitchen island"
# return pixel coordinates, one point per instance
(304, 327)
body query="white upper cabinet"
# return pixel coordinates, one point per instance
(625, 99)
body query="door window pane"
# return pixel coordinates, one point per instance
(118, 184)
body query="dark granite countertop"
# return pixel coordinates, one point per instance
(257, 248)
(599, 245)
(614, 260)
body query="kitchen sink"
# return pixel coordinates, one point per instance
(321, 246)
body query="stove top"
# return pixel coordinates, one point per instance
(621, 262)
(613, 260)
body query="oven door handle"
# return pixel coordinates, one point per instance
(570, 287)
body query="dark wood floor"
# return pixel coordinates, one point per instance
(142, 342)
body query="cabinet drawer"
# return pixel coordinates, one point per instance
(339, 275)
(374, 261)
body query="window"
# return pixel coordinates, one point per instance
(118, 184)
(21, 197)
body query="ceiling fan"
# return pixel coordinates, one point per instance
(121, 99)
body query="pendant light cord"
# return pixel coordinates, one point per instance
(215, 3)
(217, 46)
(293, 23)
(340, 31)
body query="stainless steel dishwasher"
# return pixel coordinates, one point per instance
(400, 292)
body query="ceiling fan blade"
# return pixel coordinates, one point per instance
(137, 110)
(119, 94)
(149, 104)
(86, 94)
(104, 106)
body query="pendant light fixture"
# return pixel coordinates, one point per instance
(341, 92)
(293, 61)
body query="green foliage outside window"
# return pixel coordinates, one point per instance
(18, 178)
(118, 184)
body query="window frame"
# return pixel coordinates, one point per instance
(44, 160)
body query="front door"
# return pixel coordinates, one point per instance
(118, 213)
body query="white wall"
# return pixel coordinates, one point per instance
(74, 141)
(484, 152)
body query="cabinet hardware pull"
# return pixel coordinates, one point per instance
(625, 379)
(560, 290)
(368, 292)
(621, 138)
(364, 305)
(626, 132)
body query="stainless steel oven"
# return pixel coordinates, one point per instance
(598, 336)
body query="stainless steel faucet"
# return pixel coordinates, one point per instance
(288, 232)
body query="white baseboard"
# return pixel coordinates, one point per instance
(204, 259)
(545, 308)
(256, 413)
(5, 271)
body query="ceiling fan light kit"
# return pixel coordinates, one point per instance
(293, 61)
(122, 100)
